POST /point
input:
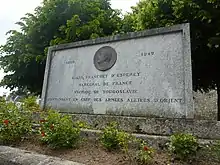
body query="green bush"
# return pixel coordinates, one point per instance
(112, 138)
(183, 146)
(145, 154)
(30, 104)
(14, 122)
(59, 131)
(81, 124)
(215, 150)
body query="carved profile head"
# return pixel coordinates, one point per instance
(105, 58)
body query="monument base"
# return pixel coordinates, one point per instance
(204, 129)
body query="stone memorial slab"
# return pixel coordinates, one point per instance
(145, 73)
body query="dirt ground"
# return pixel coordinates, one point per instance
(92, 153)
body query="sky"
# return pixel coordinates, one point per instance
(12, 10)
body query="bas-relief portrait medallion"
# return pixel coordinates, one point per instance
(105, 58)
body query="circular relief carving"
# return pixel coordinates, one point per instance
(105, 58)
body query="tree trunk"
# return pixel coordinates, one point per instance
(218, 100)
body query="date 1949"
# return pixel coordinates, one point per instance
(147, 53)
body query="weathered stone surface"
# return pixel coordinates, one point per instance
(14, 156)
(206, 107)
(204, 129)
(151, 76)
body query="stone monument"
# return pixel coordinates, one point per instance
(142, 74)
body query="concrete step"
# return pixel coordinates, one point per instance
(15, 156)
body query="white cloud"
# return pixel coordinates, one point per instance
(12, 10)
(124, 5)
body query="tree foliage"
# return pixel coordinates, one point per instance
(204, 19)
(23, 57)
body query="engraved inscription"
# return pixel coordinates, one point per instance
(124, 86)
(121, 85)
(70, 62)
(147, 53)
(113, 99)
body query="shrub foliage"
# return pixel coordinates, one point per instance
(59, 131)
(15, 122)
(183, 146)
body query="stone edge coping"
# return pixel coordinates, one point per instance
(15, 156)
(121, 37)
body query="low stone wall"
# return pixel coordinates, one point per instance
(204, 129)
(14, 156)
(158, 142)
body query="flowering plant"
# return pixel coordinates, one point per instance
(14, 123)
(145, 154)
(30, 104)
(58, 131)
